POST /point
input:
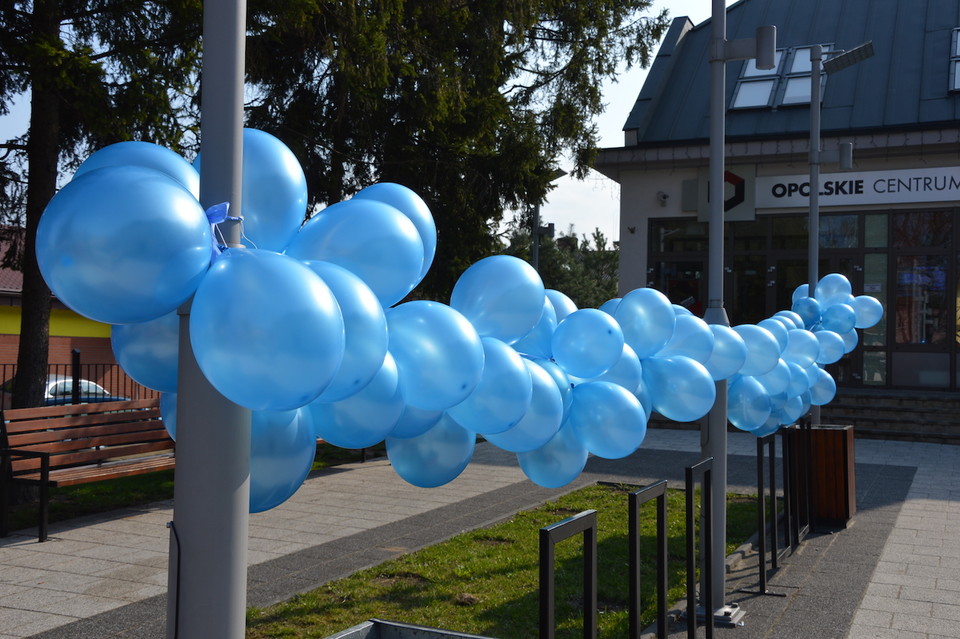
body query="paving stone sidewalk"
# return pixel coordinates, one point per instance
(894, 573)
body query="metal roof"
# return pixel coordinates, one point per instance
(904, 86)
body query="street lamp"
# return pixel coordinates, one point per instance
(538, 230)
(713, 434)
(840, 60)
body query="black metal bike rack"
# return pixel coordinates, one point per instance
(703, 469)
(550, 536)
(637, 498)
(797, 478)
(776, 553)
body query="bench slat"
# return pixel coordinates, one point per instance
(92, 419)
(40, 412)
(35, 440)
(92, 456)
(87, 474)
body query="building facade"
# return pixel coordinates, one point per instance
(891, 224)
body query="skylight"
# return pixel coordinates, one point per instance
(788, 83)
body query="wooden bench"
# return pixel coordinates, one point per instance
(54, 446)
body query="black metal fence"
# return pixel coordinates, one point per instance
(79, 382)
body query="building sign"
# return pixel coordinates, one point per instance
(738, 195)
(860, 188)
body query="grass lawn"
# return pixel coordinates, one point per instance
(486, 581)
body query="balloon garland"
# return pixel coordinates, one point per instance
(303, 326)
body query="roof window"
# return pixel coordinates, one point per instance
(788, 83)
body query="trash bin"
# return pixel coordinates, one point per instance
(833, 476)
(380, 629)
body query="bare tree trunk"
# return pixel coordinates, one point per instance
(43, 152)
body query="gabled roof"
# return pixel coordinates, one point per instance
(904, 86)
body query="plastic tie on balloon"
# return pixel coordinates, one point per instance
(219, 213)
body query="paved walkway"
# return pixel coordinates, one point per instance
(894, 573)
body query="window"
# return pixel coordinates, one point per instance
(786, 84)
(755, 88)
(955, 61)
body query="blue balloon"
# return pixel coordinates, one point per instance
(149, 352)
(587, 343)
(434, 458)
(799, 382)
(503, 394)
(539, 341)
(145, 154)
(266, 331)
(681, 310)
(748, 404)
(839, 318)
(803, 347)
(563, 382)
(372, 240)
(627, 372)
(792, 317)
(763, 350)
(809, 311)
(124, 244)
(769, 427)
(562, 304)
(366, 417)
(542, 419)
(556, 463)
(850, 340)
(831, 347)
(168, 413)
(643, 394)
(607, 419)
(801, 291)
(728, 355)
(610, 306)
(681, 388)
(282, 448)
(777, 328)
(274, 191)
(823, 387)
(412, 205)
(439, 354)
(777, 380)
(832, 288)
(692, 337)
(777, 401)
(647, 319)
(415, 421)
(501, 295)
(868, 310)
(791, 411)
(365, 329)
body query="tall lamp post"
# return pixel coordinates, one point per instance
(840, 61)
(207, 583)
(713, 434)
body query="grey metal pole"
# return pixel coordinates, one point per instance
(713, 437)
(813, 241)
(208, 544)
(535, 239)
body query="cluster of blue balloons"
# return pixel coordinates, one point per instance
(784, 374)
(304, 326)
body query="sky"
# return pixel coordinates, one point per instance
(580, 205)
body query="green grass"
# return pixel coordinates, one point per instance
(486, 581)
